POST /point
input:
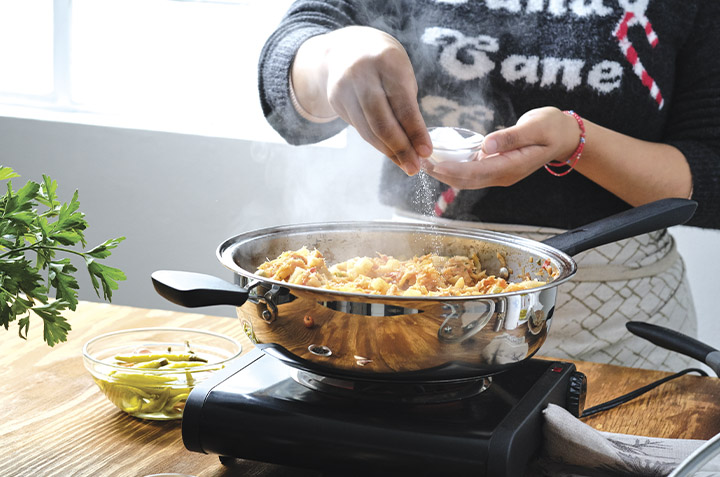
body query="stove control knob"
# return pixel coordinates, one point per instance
(577, 390)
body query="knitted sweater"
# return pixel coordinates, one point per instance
(646, 68)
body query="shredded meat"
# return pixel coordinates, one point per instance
(427, 275)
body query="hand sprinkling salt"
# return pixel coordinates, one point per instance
(454, 144)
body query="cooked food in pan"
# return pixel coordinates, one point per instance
(426, 275)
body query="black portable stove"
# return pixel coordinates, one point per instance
(490, 426)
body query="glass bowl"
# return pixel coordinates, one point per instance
(149, 372)
(451, 144)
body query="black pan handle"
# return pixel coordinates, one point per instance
(192, 290)
(676, 341)
(636, 221)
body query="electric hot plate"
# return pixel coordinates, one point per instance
(264, 410)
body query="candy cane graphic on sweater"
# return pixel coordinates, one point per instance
(446, 198)
(630, 19)
(621, 31)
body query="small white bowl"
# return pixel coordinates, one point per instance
(451, 144)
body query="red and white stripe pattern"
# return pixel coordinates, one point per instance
(446, 198)
(621, 31)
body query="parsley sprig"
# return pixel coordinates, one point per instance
(30, 240)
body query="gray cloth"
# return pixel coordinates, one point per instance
(571, 448)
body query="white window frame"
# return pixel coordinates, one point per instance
(58, 105)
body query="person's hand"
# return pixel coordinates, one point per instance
(370, 83)
(509, 155)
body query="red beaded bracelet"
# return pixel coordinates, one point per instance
(570, 163)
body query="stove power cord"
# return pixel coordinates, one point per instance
(638, 392)
(671, 340)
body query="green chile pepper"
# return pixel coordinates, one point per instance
(142, 358)
(147, 394)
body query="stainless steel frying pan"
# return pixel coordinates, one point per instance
(417, 339)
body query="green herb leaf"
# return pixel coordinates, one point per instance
(106, 275)
(7, 173)
(70, 221)
(48, 195)
(103, 250)
(62, 279)
(30, 239)
(56, 327)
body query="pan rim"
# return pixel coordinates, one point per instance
(566, 264)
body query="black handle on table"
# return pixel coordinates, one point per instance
(676, 341)
(190, 289)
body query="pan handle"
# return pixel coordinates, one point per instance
(630, 223)
(676, 341)
(192, 290)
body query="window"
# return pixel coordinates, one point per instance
(26, 47)
(181, 66)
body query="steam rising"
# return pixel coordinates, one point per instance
(319, 183)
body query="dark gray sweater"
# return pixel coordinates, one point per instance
(646, 68)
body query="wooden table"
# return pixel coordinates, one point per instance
(54, 421)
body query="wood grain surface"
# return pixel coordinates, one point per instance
(54, 421)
